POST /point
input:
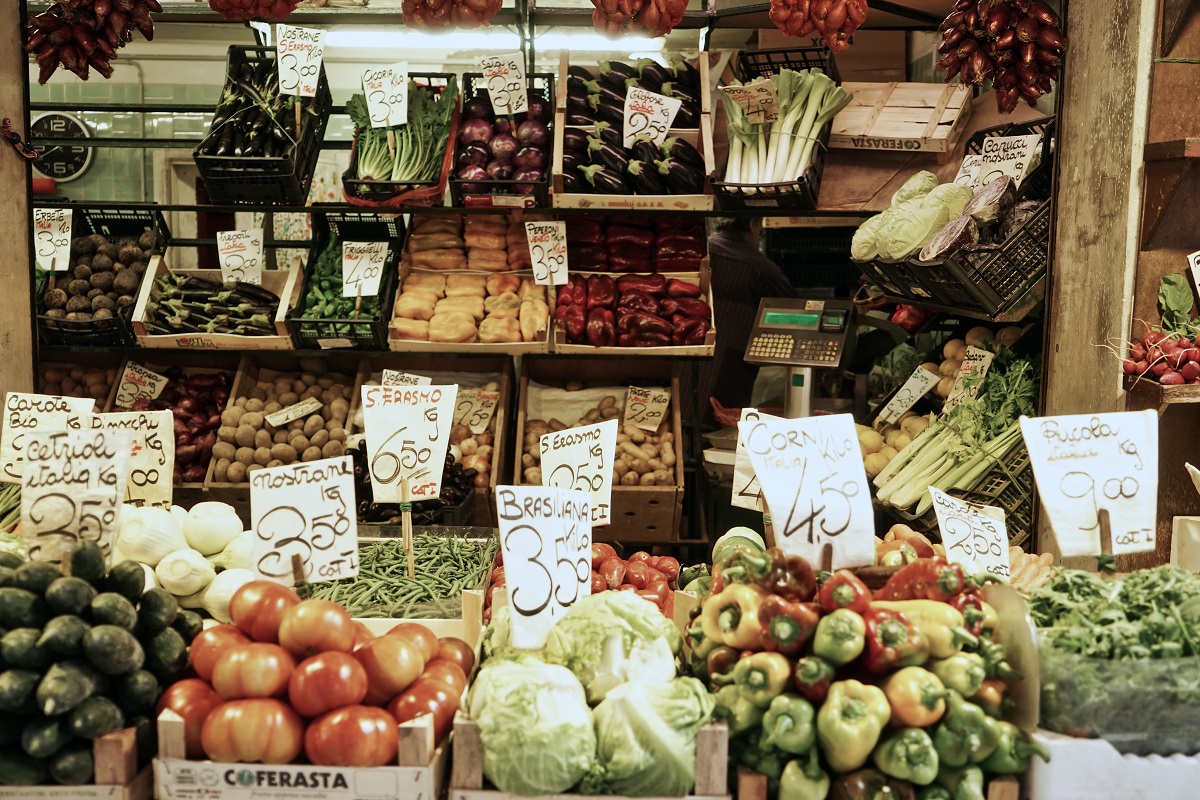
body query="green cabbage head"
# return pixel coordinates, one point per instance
(917, 187)
(951, 196)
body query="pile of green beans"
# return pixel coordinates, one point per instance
(443, 566)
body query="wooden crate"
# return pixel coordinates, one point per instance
(909, 117)
(441, 371)
(703, 278)
(753, 786)
(638, 513)
(420, 771)
(92, 361)
(469, 628)
(117, 775)
(288, 285)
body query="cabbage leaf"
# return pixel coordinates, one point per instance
(916, 187)
(951, 196)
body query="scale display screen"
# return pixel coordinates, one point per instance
(793, 318)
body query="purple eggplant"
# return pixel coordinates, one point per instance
(681, 178)
(578, 85)
(608, 154)
(583, 73)
(475, 130)
(472, 173)
(685, 73)
(573, 183)
(609, 133)
(503, 146)
(681, 93)
(644, 179)
(608, 111)
(475, 154)
(539, 109)
(501, 169)
(578, 116)
(478, 107)
(530, 157)
(502, 125)
(533, 132)
(608, 94)
(575, 139)
(681, 150)
(645, 150)
(653, 73)
(615, 73)
(686, 117)
(578, 101)
(572, 159)
(604, 180)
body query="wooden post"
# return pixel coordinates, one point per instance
(17, 337)
(406, 526)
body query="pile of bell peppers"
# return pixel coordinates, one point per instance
(635, 244)
(832, 691)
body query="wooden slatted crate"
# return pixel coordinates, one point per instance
(909, 117)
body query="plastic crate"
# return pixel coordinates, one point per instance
(753, 64)
(261, 179)
(116, 331)
(814, 258)
(527, 194)
(411, 193)
(1039, 183)
(363, 334)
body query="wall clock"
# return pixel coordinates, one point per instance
(62, 163)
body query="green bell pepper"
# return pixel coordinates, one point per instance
(908, 754)
(964, 783)
(966, 735)
(754, 754)
(995, 660)
(934, 793)
(850, 722)
(803, 779)
(789, 724)
(964, 673)
(735, 708)
(840, 636)
(1012, 754)
(761, 676)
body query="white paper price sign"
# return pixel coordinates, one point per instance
(72, 490)
(582, 458)
(504, 76)
(648, 113)
(757, 98)
(386, 90)
(1088, 463)
(646, 408)
(968, 172)
(974, 536)
(408, 431)
(546, 541)
(475, 408)
(362, 267)
(294, 412)
(913, 389)
(52, 238)
(815, 486)
(1007, 155)
(299, 55)
(747, 491)
(29, 413)
(1194, 267)
(971, 374)
(393, 377)
(138, 383)
(151, 476)
(305, 510)
(548, 251)
(241, 256)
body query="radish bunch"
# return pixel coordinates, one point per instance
(1171, 360)
(81, 35)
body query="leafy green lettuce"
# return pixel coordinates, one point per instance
(915, 187)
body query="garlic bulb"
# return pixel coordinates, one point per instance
(211, 526)
(149, 534)
(185, 572)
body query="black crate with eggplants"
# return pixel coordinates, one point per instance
(182, 303)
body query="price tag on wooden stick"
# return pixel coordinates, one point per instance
(975, 536)
(504, 76)
(546, 541)
(307, 510)
(138, 383)
(1087, 465)
(646, 408)
(386, 91)
(758, 99)
(970, 377)
(475, 408)
(393, 377)
(747, 491)
(408, 432)
(72, 490)
(648, 113)
(815, 486)
(151, 455)
(299, 55)
(362, 268)
(582, 458)
(548, 251)
(241, 256)
(52, 238)
(29, 413)
(294, 412)
(913, 389)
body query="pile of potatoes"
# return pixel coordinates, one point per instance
(879, 447)
(78, 382)
(954, 350)
(643, 458)
(247, 442)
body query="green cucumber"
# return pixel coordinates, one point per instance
(66, 685)
(137, 692)
(18, 769)
(189, 624)
(86, 561)
(167, 655)
(44, 736)
(113, 650)
(10, 560)
(73, 765)
(110, 608)
(20, 649)
(18, 691)
(70, 595)
(95, 717)
(35, 576)
(10, 728)
(20, 608)
(127, 579)
(64, 635)
(156, 612)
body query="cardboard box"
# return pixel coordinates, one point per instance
(117, 775)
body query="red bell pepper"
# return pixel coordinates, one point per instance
(652, 284)
(578, 285)
(892, 642)
(812, 677)
(664, 263)
(642, 340)
(925, 579)
(790, 577)
(601, 332)
(787, 626)
(688, 330)
(584, 231)
(678, 288)
(638, 237)
(970, 604)
(639, 322)
(636, 300)
(602, 292)
(572, 320)
(564, 295)
(844, 589)
(675, 245)
(691, 307)
(587, 257)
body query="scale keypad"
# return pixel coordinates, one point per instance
(786, 347)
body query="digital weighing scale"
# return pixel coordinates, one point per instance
(801, 334)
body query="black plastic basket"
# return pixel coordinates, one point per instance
(1039, 183)
(261, 179)
(507, 193)
(384, 192)
(753, 64)
(117, 331)
(363, 334)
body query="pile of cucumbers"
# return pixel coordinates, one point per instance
(83, 652)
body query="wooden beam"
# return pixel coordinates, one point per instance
(16, 301)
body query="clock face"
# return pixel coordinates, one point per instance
(62, 163)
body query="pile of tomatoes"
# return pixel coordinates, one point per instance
(293, 679)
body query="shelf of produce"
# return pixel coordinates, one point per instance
(1151, 393)
(117, 776)
(1167, 163)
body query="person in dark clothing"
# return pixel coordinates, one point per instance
(741, 276)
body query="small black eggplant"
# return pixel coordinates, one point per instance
(579, 117)
(644, 150)
(582, 73)
(681, 179)
(652, 73)
(681, 93)
(685, 73)
(608, 111)
(606, 153)
(687, 117)
(573, 159)
(616, 73)
(644, 179)
(609, 133)
(574, 184)
(575, 139)
(577, 84)
(610, 95)
(604, 180)
(681, 150)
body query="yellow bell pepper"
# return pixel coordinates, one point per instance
(941, 624)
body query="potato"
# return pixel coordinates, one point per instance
(650, 450)
(296, 425)
(573, 386)
(313, 424)
(280, 437)
(325, 381)
(255, 394)
(252, 418)
(667, 455)
(312, 391)
(620, 468)
(231, 416)
(592, 416)
(224, 450)
(612, 412)
(245, 436)
(329, 395)
(236, 473)
(640, 466)
(557, 425)
(284, 453)
(299, 441)
(527, 461)
(331, 450)
(635, 434)
(608, 401)
(275, 463)
(263, 438)
(319, 439)
(227, 433)
(240, 402)
(299, 387)
(633, 450)
(255, 404)
(337, 434)
(262, 456)
(657, 464)
(221, 468)
(311, 454)
(629, 479)
(340, 409)
(288, 399)
(647, 479)
(281, 387)
(253, 468)
(663, 477)
(244, 456)
(533, 476)
(271, 408)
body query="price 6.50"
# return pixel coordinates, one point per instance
(545, 578)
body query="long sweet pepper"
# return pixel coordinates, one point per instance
(803, 779)
(925, 579)
(917, 696)
(677, 288)
(963, 783)
(962, 672)
(731, 617)
(639, 322)
(790, 724)
(787, 626)
(601, 292)
(812, 678)
(941, 624)
(735, 708)
(761, 676)
(965, 735)
(907, 754)
(1012, 754)
(850, 722)
(840, 637)
(638, 301)
(652, 284)
(844, 589)
(870, 784)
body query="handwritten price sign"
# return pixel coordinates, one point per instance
(299, 57)
(648, 113)
(52, 238)
(813, 479)
(386, 90)
(241, 256)
(1087, 463)
(305, 510)
(757, 98)
(747, 491)
(646, 408)
(475, 408)
(504, 76)
(975, 536)
(25, 414)
(408, 431)
(582, 458)
(151, 476)
(969, 381)
(1007, 155)
(916, 387)
(548, 251)
(138, 383)
(362, 267)
(546, 540)
(393, 377)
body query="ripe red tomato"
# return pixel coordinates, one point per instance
(256, 669)
(660, 589)
(194, 700)
(448, 672)
(260, 729)
(325, 682)
(362, 634)
(258, 606)
(640, 555)
(210, 643)
(316, 626)
(354, 736)
(638, 574)
(392, 663)
(600, 552)
(419, 637)
(427, 696)
(458, 651)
